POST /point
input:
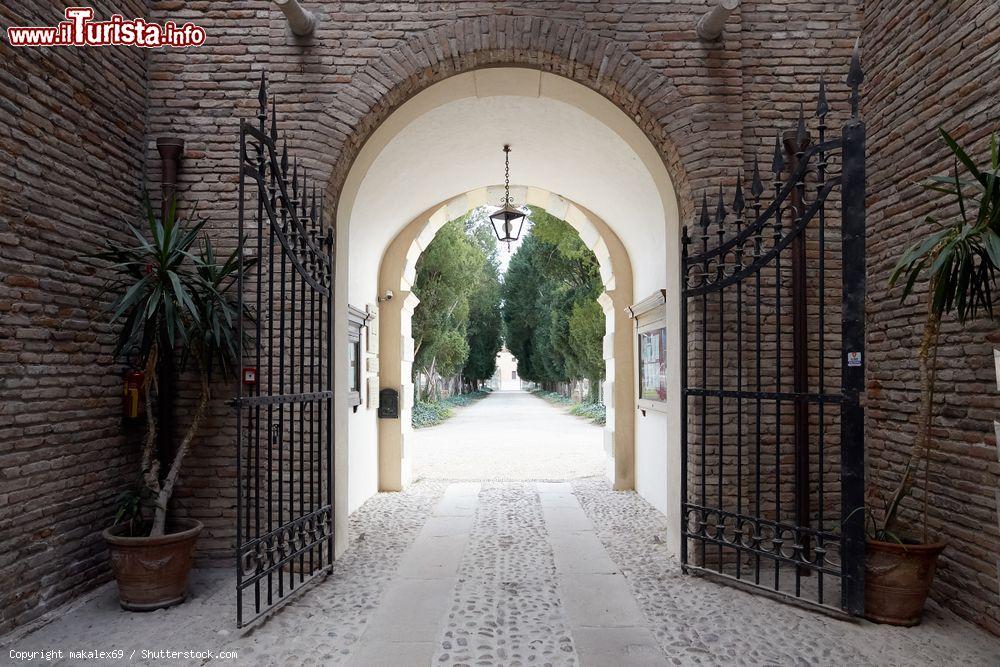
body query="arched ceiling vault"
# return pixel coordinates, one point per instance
(444, 145)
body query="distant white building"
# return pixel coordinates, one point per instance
(505, 378)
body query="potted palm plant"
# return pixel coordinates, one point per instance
(960, 259)
(174, 298)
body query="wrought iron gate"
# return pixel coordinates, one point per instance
(772, 424)
(285, 400)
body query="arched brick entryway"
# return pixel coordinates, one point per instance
(652, 110)
(656, 238)
(646, 95)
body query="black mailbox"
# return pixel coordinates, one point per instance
(388, 404)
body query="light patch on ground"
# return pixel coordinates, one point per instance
(509, 435)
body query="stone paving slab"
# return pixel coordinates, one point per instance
(558, 500)
(566, 519)
(456, 506)
(433, 557)
(410, 610)
(447, 525)
(416, 599)
(392, 654)
(622, 647)
(600, 601)
(580, 553)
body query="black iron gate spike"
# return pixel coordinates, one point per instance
(285, 519)
(751, 528)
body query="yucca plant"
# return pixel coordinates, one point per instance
(960, 259)
(175, 297)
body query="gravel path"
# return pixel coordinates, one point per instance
(509, 435)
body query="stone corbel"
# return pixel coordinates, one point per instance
(710, 25)
(300, 20)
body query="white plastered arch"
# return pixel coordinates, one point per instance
(552, 203)
(567, 139)
(397, 272)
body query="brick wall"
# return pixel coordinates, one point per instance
(71, 162)
(932, 63)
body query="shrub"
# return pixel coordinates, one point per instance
(429, 413)
(432, 413)
(595, 412)
(461, 400)
(175, 299)
(552, 396)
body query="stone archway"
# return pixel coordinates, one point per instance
(558, 47)
(397, 273)
(615, 87)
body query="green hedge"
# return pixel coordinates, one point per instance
(552, 396)
(429, 414)
(595, 412)
(433, 413)
(461, 400)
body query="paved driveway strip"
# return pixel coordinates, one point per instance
(509, 435)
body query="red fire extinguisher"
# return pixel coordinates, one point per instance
(132, 380)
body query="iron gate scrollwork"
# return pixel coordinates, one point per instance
(772, 423)
(285, 416)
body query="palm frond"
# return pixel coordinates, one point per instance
(171, 293)
(961, 257)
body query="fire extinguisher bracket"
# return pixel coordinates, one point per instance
(132, 383)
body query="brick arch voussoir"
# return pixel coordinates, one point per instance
(554, 46)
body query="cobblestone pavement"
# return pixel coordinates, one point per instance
(505, 607)
(701, 622)
(321, 626)
(501, 572)
(505, 573)
(509, 435)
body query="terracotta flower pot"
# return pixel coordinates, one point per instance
(152, 572)
(897, 579)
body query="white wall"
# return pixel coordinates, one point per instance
(652, 430)
(651, 458)
(362, 453)
(506, 367)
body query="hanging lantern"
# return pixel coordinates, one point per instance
(507, 221)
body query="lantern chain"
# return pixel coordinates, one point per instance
(506, 175)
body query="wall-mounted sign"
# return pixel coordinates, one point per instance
(651, 338)
(653, 364)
